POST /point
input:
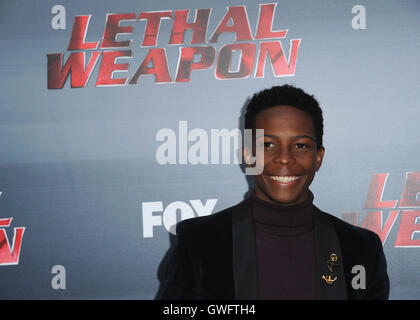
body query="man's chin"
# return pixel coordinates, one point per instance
(288, 200)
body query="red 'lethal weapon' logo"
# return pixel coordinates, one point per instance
(201, 56)
(410, 216)
(9, 255)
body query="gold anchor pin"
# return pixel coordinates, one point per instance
(331, 263)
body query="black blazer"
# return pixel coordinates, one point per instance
(214, 257)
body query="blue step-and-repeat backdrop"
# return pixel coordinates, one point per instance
(118, 119)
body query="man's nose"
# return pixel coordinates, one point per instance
(284, 156)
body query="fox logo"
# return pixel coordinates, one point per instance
(9, 255)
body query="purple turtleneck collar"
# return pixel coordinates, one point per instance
(285, 249)
(289, 220)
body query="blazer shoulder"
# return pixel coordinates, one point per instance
(206, 224)
(349, 231)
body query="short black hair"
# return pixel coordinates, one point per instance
(287, 95)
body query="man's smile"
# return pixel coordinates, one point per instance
(284, 181)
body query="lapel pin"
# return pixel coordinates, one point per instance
(331, 263)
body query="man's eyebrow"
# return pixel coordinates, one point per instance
(298, 137)
(306, 136)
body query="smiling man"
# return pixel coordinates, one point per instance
(291, 155)
(276, 244)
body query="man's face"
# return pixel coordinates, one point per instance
(290, 155)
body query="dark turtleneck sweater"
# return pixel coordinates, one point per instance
(285, 249)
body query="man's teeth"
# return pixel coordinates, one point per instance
(284, 179)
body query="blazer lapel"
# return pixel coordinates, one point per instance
(245, 274)
(330, 279)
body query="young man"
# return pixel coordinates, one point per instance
(276, 244)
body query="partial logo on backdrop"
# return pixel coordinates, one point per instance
(407, 208)
(254, 52)
(156, 216)
(10, 251)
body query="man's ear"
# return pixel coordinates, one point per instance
(319, 157)
(246, 155)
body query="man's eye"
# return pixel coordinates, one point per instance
(301, 146)
(268, 144)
